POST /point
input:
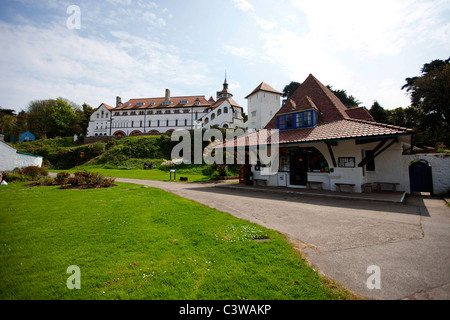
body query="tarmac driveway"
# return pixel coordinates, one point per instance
(409, 244)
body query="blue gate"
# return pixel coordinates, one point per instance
(420, 178)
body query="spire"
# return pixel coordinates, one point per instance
(225, 83)
(225, 92)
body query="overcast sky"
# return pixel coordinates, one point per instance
(137, 48)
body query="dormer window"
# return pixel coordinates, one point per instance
(197, 103)
(304, 119)
(184, 102)
(140, 104)
(166, 103)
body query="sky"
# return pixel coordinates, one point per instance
(92, 51)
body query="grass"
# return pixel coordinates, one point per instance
(142, 174)
(133, 242)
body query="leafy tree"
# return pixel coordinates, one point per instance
(348, 100)
(430, 92)
(290, 89)
(85, 117)
(52, 118)
(378, 113)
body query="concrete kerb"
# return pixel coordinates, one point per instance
(391, 197)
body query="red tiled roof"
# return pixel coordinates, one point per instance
(360, 113)
(158, 103)
(335, 130)
(305, 104)
(330, 107)
(263, 87)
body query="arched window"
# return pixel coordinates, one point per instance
(213, 116)
(219, 112)
(225, 110)
(206, 120)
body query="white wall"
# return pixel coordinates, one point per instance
(388, 166)
(261, 107)
(440, 169)
(10, 159)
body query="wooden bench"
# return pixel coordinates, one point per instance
(257, 182)
(349, 185)
(367, 187)
(393, 185)
(315, 183)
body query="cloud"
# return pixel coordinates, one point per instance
(239, 52)
(243, 5)
(371, 28)
(52, 61)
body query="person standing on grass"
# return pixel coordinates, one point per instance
(2, 181)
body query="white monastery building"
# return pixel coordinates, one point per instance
(262, 105)
(166, 114)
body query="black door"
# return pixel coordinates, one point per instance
(299, 168)
(420, 178)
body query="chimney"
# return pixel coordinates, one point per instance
(167, 95)
(118, 102)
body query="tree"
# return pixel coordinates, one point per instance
(85, 117)
(378, 113)
(51, 118)
(430, 92)
(290, 89)
(348, 100)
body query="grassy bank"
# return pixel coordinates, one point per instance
(132, 242)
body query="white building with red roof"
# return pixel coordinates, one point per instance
(166, 114)
(324, 144)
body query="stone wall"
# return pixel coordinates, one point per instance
(440, 168)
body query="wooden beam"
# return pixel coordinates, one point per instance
(366, 159)
(330, 150)
(385, 148)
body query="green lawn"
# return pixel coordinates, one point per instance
(155, 174)
(133, 242)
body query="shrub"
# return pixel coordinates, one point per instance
(31, 173)
(62, 177)
(92, 179)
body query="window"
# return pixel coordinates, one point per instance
(159, 112)
(307, 119)
(213, 116)
(140, 104)
(289, 122)
(281, 122)
(176, 123)
(158, 123)
(133, 113)
(185, 122)
(141, 113)
(166, 103)
(124, 113)
(186, 111)
(184, 102)
(225, 110)
(150, 112)
(253, 113)
(167, 112)
(197, 103)
(140, 124)
(370, 165)
(116, 113)
(176, 111)
(297, 120)
(219, 112)
(98, 115)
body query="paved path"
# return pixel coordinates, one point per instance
(410, 243)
